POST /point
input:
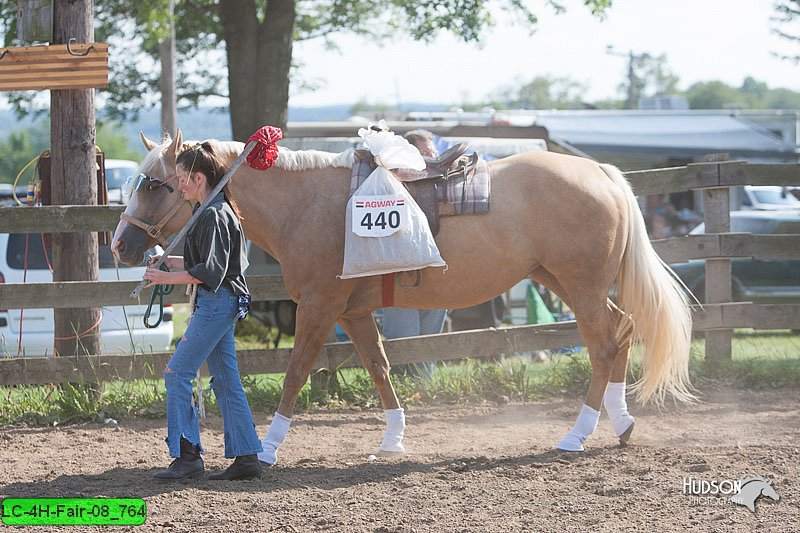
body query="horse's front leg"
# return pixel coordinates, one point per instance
(364, 334)
(316, 315)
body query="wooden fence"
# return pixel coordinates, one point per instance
(717, 318)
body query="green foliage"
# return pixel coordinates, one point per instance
(653, 76)
(544, 92)
(116, 145)
(761, 361)
(571, 374)
(787, 13)
(752, 94)
(77, 401)
(20, 146)
(134, 29)
(713, 95)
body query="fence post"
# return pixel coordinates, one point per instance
(717, 215)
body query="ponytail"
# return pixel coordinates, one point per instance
(204, 157)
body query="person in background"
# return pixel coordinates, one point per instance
(213, 261)
(399, 322)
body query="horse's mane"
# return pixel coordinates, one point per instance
(289, 160)
(153, 158)
(298, 160)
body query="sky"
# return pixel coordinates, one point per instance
(703, 40)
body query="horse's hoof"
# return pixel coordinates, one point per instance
(570, 443)
(390, 453)
(625, 437)
(570, 451)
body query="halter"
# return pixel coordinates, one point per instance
(153, 230)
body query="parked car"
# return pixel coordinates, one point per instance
(7, 192)
(121, 330)
(117, 172)
(753, 280)
(275, 313)
(768, 198)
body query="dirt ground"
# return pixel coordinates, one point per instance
(468, 468)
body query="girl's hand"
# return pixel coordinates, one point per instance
(156, 276)
(173, 262)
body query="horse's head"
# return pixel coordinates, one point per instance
(156, 208)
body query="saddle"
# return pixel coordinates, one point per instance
(423, 185)
(446, 165)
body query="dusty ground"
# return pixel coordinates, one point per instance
(471, 468)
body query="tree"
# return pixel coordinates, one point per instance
(786, 13)
(713, 95)
(18, 149)
(543, 92)
(647, 76)
(20, 146)
(257, 37)
(752, 94)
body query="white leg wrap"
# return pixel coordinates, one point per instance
(393, 435)
(584, 426)
(617, 408)
(275, 434)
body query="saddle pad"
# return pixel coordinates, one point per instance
(457, 197)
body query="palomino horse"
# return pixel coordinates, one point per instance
(566, 222)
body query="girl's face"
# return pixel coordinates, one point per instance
(193, 187)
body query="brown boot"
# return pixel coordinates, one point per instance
(188, 465)
(243, 467)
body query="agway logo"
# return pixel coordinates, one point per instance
(744, 491)
(379, 203)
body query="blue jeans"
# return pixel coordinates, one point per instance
(400, 322)
(209, 338)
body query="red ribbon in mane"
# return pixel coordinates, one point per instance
(265, 152)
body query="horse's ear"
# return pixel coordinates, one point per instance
(177, 143)
(148, 144)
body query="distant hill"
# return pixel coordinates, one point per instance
(209, 123)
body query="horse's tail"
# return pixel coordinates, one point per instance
(651, 293)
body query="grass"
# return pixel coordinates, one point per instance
(761, 360)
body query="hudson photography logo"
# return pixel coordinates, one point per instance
(745, 491)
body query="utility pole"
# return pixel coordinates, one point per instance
(633, 80)
(74, 182)
(166, 53)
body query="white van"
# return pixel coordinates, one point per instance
(117, 172)
(122, 329)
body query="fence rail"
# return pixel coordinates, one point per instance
(70, 294)
(717, 247)
(443, 347)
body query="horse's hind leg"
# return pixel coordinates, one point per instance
(364, 334)
(596, 322)
(614, 398)
(316, 315)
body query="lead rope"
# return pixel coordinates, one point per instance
(191, 291)
(158, 291)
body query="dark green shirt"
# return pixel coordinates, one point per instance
(214, 250)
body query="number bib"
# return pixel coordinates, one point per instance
(379, 216)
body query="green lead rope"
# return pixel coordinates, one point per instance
(160, 291)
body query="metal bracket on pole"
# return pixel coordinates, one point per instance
(181, 234)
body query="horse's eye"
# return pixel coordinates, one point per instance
(153, 186)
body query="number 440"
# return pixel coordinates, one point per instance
(381, 220)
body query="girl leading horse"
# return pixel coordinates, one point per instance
(566, 222)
